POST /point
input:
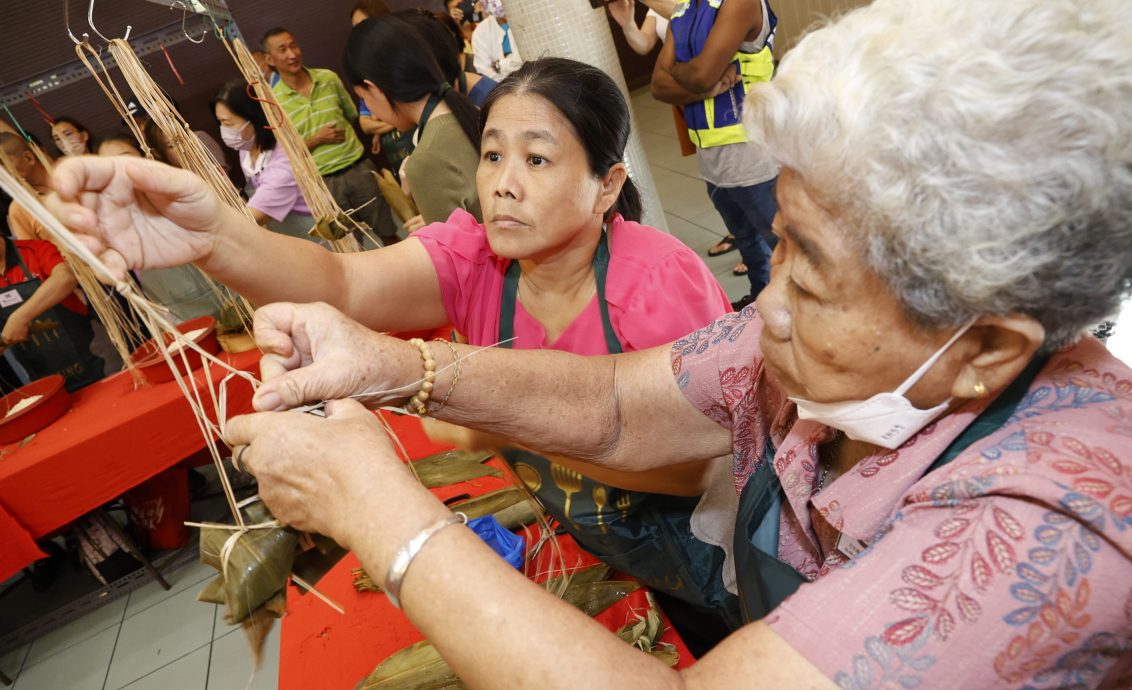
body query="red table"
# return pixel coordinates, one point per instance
(321, 648)
(114, 437)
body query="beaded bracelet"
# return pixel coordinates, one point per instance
(418, 403)
(404, 558)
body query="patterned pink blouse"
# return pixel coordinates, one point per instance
(1009, 567)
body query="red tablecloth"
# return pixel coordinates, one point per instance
(113, 438)
(321, 648)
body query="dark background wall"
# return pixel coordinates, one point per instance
(33, 38)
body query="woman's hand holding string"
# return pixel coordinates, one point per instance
(338, 476)
(135, 213)
(313, 352)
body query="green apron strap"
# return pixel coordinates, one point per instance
(992, 418)
(511, 291)
(430, 105)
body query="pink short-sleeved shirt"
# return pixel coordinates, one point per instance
(1011, 566)
(657, 289)
(276, 193)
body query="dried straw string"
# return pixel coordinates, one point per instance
(166, 337)
(194, 156)
(111, 90)
(153, 316)
(39, 153)
(122, 326)
(318, 197)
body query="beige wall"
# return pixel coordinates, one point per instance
(795, 16)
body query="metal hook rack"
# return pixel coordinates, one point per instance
(90, 21)
(184, 18)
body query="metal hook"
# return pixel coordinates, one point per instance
(184, 18)
(67, 21)
(90, 20)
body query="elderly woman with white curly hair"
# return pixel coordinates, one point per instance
(928, 464)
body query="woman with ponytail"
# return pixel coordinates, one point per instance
(559, 262)
(395, 72)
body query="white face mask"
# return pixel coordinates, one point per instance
(886, 419)
(233, 137)
(71, 146)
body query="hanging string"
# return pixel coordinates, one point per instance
(102, 78)
(42, 112)
(122, 327)
(16, 122)
(192, 152)
(251, 94)
(169, 59)
(314, 190)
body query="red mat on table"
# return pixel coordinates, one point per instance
(323, 649)
(113, 438)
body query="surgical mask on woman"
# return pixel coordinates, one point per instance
(886, 419)
(71, 145)
(233, 137)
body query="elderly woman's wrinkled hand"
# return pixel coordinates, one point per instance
(134, 213)
(309, 481)
(313, 352)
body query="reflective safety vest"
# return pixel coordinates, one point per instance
(718, 121)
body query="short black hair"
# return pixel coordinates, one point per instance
(370, 8)
(234, 95)
(72, 122)
(7, 138)
(124, 137)
(271, 33)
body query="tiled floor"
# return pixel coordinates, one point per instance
(151, 638)
(157, 640)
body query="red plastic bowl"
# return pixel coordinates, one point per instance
(153, 366)
(55, 401)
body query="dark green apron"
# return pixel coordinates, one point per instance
(63, 344)
(648, 536)
(764, 581)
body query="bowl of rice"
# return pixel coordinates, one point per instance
(31, 408)
(150, 361)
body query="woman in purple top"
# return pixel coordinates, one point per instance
(274, 196)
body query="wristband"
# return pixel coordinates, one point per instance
(409, 551)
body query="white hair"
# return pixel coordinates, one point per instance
(980, 150)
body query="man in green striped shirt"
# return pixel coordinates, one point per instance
(317, 103)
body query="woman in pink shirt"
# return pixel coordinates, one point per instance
(274, 196)
(931, 483)
(560, 263)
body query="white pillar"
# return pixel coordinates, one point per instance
(572, 29)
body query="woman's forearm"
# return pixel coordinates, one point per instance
(389, 289)
(639, 38)
(662, 7)
(266, 266)
(625, 413)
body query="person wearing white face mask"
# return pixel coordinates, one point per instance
(70, 137)
(274, 197)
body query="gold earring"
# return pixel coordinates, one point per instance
(980, 389)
